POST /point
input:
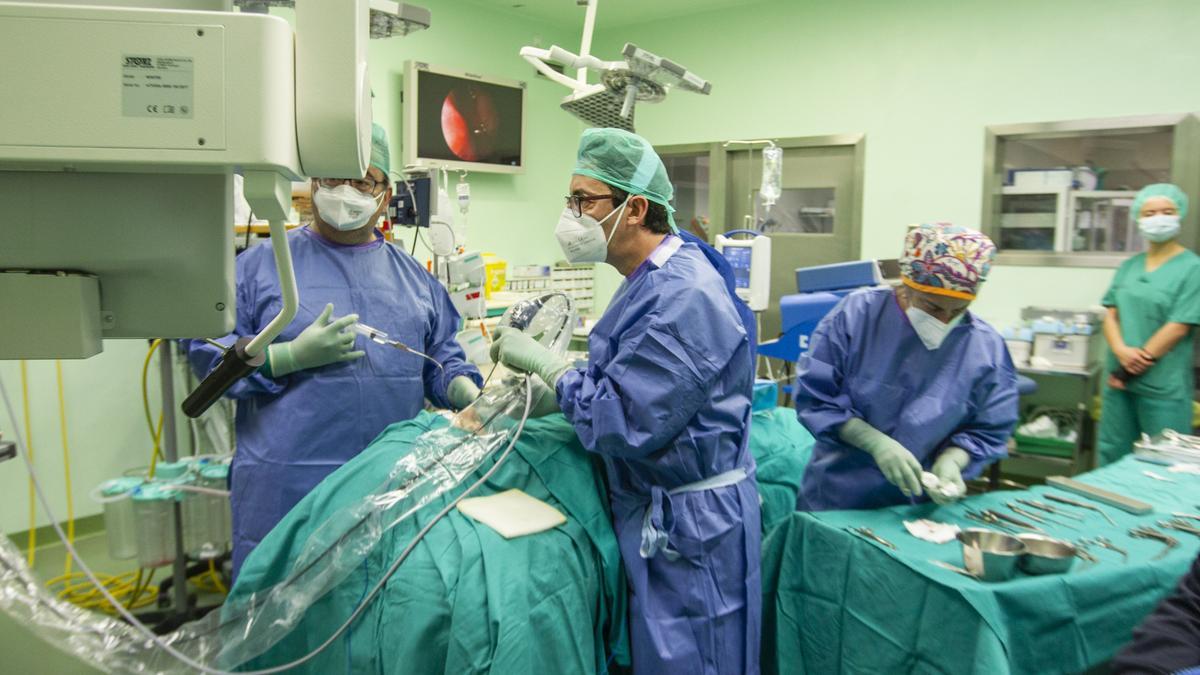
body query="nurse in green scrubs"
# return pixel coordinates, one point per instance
(1153, 304)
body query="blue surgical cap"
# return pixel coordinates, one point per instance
(1168, 190)
(627, 161)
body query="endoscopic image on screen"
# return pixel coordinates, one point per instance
(468, 121)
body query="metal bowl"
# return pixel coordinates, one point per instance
(990, 555)
(1045, 555)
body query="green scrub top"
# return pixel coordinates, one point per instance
(1145, 301)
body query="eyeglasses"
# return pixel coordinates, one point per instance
(576, 202)
(366, 185)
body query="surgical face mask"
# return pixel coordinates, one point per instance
(931, 330)
(345, 208)
(582, 237)
(1159, 228)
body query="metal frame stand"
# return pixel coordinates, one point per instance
(181, 609)
(171, 454)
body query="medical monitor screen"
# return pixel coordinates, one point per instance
(739, 259)
(463, 121)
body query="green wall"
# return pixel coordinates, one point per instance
(922, 78)
(512, 216)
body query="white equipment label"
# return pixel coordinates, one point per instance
(157, 86)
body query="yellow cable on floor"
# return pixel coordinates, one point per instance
(62, 425)
(74, 586)
(78, 590)
(32, 552)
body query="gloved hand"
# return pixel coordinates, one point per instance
(948, 467)
(323, 342)
(898, 465)
(545, 399)
(484, 410)
(522, 353)
(462, 392)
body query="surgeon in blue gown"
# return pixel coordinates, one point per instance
(665, 402)
(901, 382)
(325, 393)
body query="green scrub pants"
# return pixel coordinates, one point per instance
(1124, 417)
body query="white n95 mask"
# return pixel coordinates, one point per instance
(1160, 228)
(931, 330)
(582, 237)
(344, 208)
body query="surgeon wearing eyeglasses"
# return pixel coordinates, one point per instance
(324, 394)
(901, 382)
(664, 402)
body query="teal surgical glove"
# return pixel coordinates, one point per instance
(462, 392)
(522, 353)
(898, 465)
(948, 468)
(323, 342)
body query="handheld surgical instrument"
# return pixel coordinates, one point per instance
(1151, 533)
(379, 337)
(1103, 542)
(1016, 521)
(1081, 505)
(1043, 518)
(987, 518)
(867, 533)
(1042, 506)
(1180, 525)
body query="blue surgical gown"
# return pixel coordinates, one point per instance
(721, 264)
(292, 431)
(866, 361)
(665, 402)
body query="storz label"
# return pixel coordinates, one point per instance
(157, 86)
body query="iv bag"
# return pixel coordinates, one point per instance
(772, 175)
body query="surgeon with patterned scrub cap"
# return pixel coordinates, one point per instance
(906, 391)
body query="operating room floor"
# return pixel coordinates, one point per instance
(23, 652)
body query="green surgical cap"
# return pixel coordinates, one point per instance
(1167, 190)
(380, 157)
(627, 161)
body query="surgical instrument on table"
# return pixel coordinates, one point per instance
(1042, 506)
(379, 337)
(1098, 495)
(1191, 516)
(988, 519)
(868, 534)
(1022, 512)
(1180, 525)
(1083, 553)
(1157, 477)
(1016, 521)
(1042, 518)
(954, 568)
(1151, 533)
(1081, 505)
(1103, 542)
